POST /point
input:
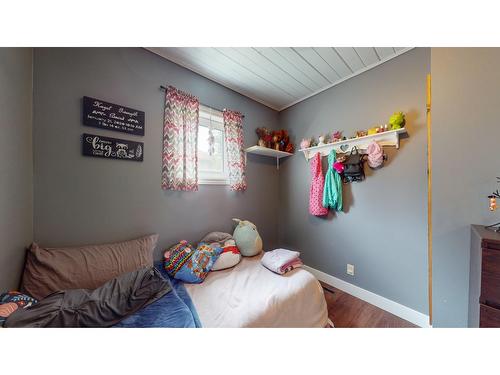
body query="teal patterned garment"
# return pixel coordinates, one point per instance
(332, 193)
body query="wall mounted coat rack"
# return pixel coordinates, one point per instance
(387, 138)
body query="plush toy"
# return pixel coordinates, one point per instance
(247, 238)
(264, 137)
(230, 255)
(397, 120)
(321, 140)
(336, 136)
(277, 137)
(305, 143)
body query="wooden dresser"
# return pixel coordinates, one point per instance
(484, 278)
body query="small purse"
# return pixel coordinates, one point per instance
(353, 167)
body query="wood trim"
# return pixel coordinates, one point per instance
(429, 194)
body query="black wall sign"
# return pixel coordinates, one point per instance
(112, 148)
(104, 115)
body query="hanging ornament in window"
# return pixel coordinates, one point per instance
(211, 141)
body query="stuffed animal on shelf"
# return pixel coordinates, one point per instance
(247, 238)
(321, 140)
(277, 137)
(336, 136)
(397, 120)
(305, 143)
(265, 137)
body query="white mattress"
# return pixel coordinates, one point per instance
(249, 295)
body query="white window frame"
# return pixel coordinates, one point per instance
(217, 121)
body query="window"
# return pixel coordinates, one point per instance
(212, 157)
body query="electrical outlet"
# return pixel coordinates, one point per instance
(350, 269)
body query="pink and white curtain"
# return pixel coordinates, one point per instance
(233, 129)
(180, 141)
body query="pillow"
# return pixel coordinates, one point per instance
(176, 256)
(11, 301)
(229, 257)
(219, 237)
(195, 264)
(48, 270)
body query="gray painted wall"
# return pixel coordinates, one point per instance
(82, 200)
(466, 133)
(383, 230)
(16, 162)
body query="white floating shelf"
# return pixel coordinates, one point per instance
(388, 138)
(265, 151)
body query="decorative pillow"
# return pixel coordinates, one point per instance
(176, 256)
(11, 301)
(196, 266)
(229, 257)
(48, 270)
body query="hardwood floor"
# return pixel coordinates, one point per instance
(346, 311)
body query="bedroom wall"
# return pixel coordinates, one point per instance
(383, 230)
(16, 162)
(465, 97)
(81, 200)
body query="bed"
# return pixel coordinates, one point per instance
(249, 295)
(87, 279)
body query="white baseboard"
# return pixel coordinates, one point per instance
(395, 308)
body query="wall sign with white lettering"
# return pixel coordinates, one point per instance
(111, 148)
(100, 114)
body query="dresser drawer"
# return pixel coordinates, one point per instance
(489, 317)
(490, 278)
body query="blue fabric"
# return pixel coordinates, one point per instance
(173, 310)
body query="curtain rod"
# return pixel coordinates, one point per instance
(163, 88)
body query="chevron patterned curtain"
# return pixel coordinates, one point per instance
(233, 131)
(180, 141)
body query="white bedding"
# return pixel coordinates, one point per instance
(249, 295)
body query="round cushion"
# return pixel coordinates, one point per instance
(229, 257)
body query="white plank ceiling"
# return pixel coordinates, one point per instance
(279, 77)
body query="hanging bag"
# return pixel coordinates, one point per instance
(376, 155)
(353, 166)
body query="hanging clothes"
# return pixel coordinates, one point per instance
(332, 194)
(316, 191)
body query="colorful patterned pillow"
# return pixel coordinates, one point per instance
(176, 256)
(197, 266)
(11, 301)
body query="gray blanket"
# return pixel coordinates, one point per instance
(101, 307)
